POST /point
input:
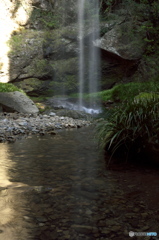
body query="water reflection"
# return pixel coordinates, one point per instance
(39, 161)
(11, 220)
(56, 187)
(40, 174)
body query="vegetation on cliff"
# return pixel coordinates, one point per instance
(131, 128)
(143, 14)
(9, 87)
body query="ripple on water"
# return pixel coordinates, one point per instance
(57, 188)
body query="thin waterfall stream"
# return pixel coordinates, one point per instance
(89, 55)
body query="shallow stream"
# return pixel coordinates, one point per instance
(57, 187)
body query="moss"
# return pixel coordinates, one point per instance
(24, 42)
(30, 84)
(39, 99)
(66, 66)
(9, 87)
(67, 84)
(39, 68)
(127, 92)
(144, 96)
(46, 19)
(15, 42)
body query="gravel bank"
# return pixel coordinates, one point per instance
(15, 125)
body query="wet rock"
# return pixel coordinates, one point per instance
(16, 101)
(52, 114)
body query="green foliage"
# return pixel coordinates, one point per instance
(41, 66)
(107, 6)
(9, 87)
(151, 38)
(126, 92)
(39, 99)
(47, 19)
(50, 21)
(131, 129)
(142, 13)
(15, 42)
(144, 96)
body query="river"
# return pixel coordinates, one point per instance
(57, 187)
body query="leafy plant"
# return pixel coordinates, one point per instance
(131, 129)
(9, 87)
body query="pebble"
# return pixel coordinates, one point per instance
(52, 114)
(13, 125)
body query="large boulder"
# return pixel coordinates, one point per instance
(123, 41)
(50, 59)
(43, 42)
(17, 101)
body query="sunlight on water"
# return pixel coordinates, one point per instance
(10, 201)
(5, 163)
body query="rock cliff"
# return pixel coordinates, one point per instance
(40, 46)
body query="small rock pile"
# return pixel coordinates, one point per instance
(15, 125)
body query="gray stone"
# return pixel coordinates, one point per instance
(52, 114)
(17, 101)
(121, 42)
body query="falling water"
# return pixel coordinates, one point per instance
(81, 4)
(89, 57)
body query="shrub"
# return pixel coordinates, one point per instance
(132, 128)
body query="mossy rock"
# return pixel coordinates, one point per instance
(67, 66)
(25, 40)
(40, 68)
(66, 83)
(29, 85)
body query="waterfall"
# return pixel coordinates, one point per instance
(81, 4)
(89, 56)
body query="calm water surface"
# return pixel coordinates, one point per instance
(56, 187)
(40, 174)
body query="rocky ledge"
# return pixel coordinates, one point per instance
(15, 125)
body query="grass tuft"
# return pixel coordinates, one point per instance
(131, 129)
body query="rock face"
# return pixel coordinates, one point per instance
(42, 57)
(119, 41)
(31, 29)
(17, 101)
